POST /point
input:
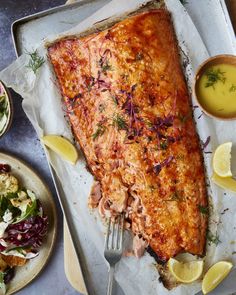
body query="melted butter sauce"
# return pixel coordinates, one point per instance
(218, 98)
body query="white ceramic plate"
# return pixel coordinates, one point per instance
(30, 179)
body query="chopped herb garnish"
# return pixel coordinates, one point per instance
(36, 61)
(183, 118)
(151, 187)
(106, 67)
(232, 88)
(124, 77)
(180, 157)
(91, 83)
(103, 62)
(213, 238)
(202, 209)
(100, 131)
(213, 76)
(119, 122)
(114, 99)
(149, 138)
(101, 107)
(139, 56)
(164, 145)
(176, 196)
(148, 123)
(183, 2)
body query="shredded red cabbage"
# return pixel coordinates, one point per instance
(29, 232)
(5, 168)
(8, 275)
(205, 144)
(2, 248)
(157, 168)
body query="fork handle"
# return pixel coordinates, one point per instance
(110, 280)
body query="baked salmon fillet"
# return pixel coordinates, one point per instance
(128, 104)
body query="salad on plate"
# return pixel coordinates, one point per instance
(23, 225)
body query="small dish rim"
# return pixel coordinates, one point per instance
(10, 115)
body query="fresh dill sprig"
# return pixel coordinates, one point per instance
(202, 209)
(176, 196)
(213, 238)
(119, 122)
(213, 76)
(100, 131)
(101, 107)
(148, 123)
(164, 145)
(184, 118)
(106, 67)
(232, 88)
(152, 188)
(35, 62)
(114, 99)
(139, 56)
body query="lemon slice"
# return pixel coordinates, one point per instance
(187, 272)
(62, 147)
(221, 160)
(224, 182)
(215, 275)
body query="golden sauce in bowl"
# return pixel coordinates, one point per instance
(215, 88)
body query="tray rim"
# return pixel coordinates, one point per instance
(37, 15)
(63, 7)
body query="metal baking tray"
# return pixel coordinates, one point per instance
(27, 33)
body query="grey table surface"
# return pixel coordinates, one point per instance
(22, 141)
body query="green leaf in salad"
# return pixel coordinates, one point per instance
(21, 250)
(12, 195)
(31, 210)
(5, 204)
(2, 284)
(3, 103)
(3, 111)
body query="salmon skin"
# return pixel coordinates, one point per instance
(128, 104)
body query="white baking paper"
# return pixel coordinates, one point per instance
(42, 104)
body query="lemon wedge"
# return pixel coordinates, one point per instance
(224, 182)
(186, 272)
(221, 160)
(62, 146)
(215, 275)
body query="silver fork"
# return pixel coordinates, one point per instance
(113, 247)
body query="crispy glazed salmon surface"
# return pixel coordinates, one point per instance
(129, 108)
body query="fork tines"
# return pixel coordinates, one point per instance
(114, 235)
